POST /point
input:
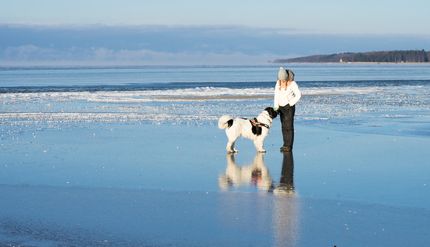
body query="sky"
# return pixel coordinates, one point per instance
(204, 32)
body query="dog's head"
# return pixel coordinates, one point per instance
(272, 113)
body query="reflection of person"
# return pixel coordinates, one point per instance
(286, 208)
(255, 174)
(286, 183)
(287, 94)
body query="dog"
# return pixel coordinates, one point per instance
(255, 129)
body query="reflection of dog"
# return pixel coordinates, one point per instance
(255, 174)
(255, 129)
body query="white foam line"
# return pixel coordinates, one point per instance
(194, 94)
(133, 96)
(99, 117)
(340, 91)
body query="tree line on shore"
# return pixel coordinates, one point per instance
(405, 56)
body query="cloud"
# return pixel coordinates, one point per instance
(148, 57)
(33, 55)
(178, 44)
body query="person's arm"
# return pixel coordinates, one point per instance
(295, 93)
(275, 98)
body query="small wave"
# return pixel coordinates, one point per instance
(81, 87)
(340, 90)
(315, 118)
(396, 116)
(186, 94)
(202, 93)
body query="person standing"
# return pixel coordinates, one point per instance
(287, 94)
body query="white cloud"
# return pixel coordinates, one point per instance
(198, 45)
(27, 54)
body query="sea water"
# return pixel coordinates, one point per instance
(136, 154)
(387, 99)
(369, 97)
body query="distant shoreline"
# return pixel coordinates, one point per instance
(397, 57)
(354, 62)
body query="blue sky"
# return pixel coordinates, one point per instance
(210, 32)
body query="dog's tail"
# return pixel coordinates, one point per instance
(225, 121)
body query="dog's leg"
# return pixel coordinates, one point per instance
(258, 160)
(230, 147)
(259, 145)
(234, 150)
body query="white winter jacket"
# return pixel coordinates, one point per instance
(289, 95)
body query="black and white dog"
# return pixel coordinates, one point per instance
(255, 129)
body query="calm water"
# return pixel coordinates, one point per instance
(10, 77)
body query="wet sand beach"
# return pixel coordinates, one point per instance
(159, 185)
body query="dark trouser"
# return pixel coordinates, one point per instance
(287, 121)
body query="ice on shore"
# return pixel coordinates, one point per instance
(359, 105)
